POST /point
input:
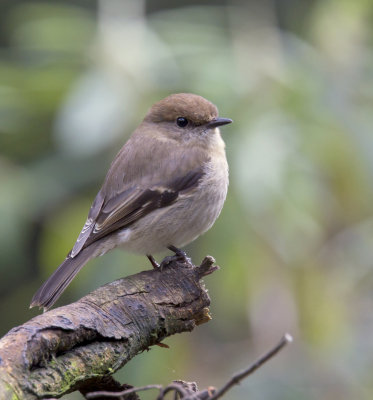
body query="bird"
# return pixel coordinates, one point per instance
(165, 187)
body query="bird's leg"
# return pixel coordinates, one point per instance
(179, 253)
(152, 261)
(180, 256)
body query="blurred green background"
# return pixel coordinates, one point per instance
(295, 238)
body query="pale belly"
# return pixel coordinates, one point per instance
(180, 223)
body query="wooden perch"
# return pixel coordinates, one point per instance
(64, 349)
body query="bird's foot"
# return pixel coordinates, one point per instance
(179, 256)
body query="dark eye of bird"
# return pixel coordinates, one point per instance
(182, 122)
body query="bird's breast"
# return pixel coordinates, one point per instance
(192, 213)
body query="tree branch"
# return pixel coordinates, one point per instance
(63, 349)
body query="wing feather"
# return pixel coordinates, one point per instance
(124, 211)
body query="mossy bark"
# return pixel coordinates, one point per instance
(63, 349)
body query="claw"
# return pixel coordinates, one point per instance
(179, 256)
(167, 260)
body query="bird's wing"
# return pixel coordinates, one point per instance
(125, 198)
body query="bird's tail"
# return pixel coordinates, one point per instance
(53, 287)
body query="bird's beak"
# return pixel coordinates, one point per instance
(218, 122)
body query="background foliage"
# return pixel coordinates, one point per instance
(295, 238)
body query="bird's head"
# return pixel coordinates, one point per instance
(186, 117)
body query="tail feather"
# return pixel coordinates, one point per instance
(53, 287)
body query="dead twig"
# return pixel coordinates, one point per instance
(102, 393)
(189, 390)
(238, 377)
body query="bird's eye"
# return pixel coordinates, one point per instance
(182, 122)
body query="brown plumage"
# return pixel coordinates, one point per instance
(164, 188)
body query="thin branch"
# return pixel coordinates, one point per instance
(101, 393)
(237, 378)
(188, 393)
(176, 387)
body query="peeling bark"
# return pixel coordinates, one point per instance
(63, 349)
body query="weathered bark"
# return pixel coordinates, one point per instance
(63, 349)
